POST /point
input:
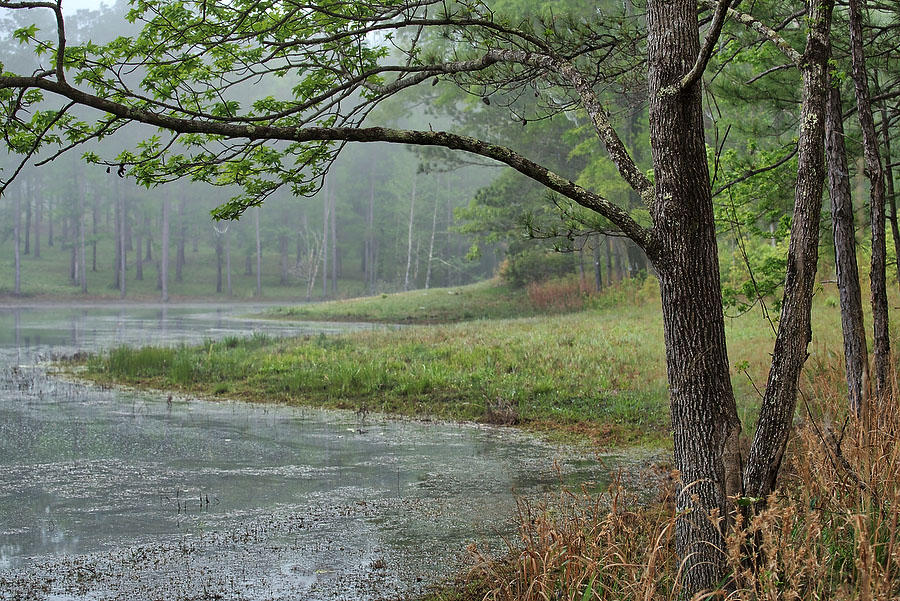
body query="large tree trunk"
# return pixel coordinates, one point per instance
(881, 343)
(703, 411)
(856, 355)
(794, 328)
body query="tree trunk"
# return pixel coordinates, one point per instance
(17, 223)
(164, 253)
(95, 218)
(325, 208)
(409, 237)
(219, 253)
(335, 260)
(117, 235)
(703, 410)
(258, 255)
(139, 255)
(881, 343)
(82, 249)
(794, 327)
(182, 239)
(50, 221)
(28, 197)
(370, 232)
(38, 217)
(888, 180)
(431, 244)
(228, 263)
(856, 355)
(123, 245)
(283, 251)
(598, 274)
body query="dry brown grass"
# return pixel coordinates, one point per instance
(830, 531)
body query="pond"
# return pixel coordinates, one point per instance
(117, 494)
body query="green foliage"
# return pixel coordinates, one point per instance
(536, 265)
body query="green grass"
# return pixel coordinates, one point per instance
(484, 300)
(598, 373)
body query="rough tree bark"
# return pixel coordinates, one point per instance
(856, 354)
(881, 347)
(704, 416)
(794, 328)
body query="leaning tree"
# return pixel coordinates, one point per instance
(186, 70)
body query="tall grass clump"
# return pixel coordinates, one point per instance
(829, 532)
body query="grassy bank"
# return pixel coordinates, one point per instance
(598, 372)
(484, 300)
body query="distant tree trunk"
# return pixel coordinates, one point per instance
(50, 221)
(609, 261)
(139, 255)
(431, 244)
(126, 228)
(73, 250)
(28, 197)
(325, 208)
(95, 218)
(882, 344)
(369, 252)
(856, 360)
(164, 253)
(228, 263)
(598, 274)
(195, 239)
(219, 253)
(123, 227)
(182, 239)
(335, 259)
(117, 236)
(409, 237)
(283, 251)
(38, 216)
(148, 256)
(17, 223)
(258, 255)
(82, 249)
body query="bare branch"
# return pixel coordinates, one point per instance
(709, 44)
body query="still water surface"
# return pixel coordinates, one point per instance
(111, 494)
